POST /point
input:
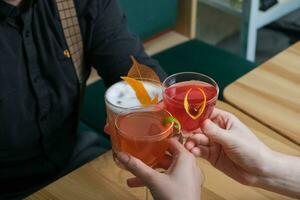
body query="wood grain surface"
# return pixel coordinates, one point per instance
(271, 93)
(101, 179)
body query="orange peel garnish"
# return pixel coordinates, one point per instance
(187, 105)
(138, 73)
(140, 91)
(154, 100)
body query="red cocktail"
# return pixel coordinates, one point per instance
(190, 97)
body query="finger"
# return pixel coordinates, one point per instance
(189, 144)
(200, 151)
(175, 147)
(107, 129)
(180, 156)
(136, 166)
(222, 121)
(216, 112)
(182, 163)
(216, 133)
(227, 120)
(223, 118)
(199, 139)
(135, 182)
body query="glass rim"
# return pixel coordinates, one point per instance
(191, 73)
(141, 109)
(121, 107)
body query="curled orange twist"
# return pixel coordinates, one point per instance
(140, 91)
(187, 105)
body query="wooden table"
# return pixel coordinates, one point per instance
(102, 179)
(271, 93)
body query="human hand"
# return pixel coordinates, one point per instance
(182, 180)
(231, 147)
(107, 128)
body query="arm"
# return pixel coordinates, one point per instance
(113, 44)
(282, 176)
(233, 149)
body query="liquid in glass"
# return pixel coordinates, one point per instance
(143, 135)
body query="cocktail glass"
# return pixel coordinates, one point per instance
(190, 97)
(121, 97)
(142, 133)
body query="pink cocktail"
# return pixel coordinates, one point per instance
(190, 97)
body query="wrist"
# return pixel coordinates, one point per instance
(267, 167)
(282, 175)
(271, 168)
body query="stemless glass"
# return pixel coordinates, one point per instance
(193, 86)
(141, 133)
(121, 97)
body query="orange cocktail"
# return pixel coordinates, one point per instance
(141, 133)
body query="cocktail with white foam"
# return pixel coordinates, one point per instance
(121, 97)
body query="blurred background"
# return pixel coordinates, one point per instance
(220, 22)
(254, 29)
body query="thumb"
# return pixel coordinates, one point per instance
(214, 132)
(137, 167)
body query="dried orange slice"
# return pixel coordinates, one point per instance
(187, 105)
(142, 72)
(140, 91)
(138, 73)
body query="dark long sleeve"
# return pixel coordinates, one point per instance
(113, 44)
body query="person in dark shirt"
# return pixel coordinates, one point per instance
(39, 90)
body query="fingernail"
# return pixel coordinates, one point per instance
(123, 157)
(189, 145)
